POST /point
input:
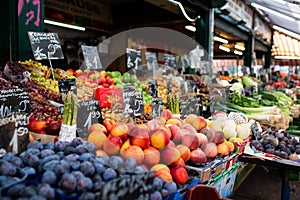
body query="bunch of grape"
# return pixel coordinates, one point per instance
(42, 108)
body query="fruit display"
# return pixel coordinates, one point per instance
(164, 144)
(45, 117)
(40, 74)
(130, 79)
(69, 170)
(88, 80)
(279, 143)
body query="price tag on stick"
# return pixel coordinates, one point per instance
(152, 88)
(157, 104)
(183, 107)
(139, 103)
(128, 101)
(91, 57)
(88, 114)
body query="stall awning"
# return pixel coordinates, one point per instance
(284, 45)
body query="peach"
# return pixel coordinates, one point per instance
(166, 114)
(210, 150)
(159, 138)
(124, 146)
(112, 145)
(109, 124)
(199, 123)
(161, 120)
(134, 152)
(139, 136)
(121, 130)
(183, 132)
(171, 143)
(190, 118)
(230, 145)
(170, 155)
(175, 133)
(190, 140)
(185, 152)
(181, 162)
(151, 156)
(97, 138)
(160, 167)
(219, 137)
(97, 127)
(166, 176)
(100, 152)
(153, 124)
(209, 133)
(223, 149)
(202, 139)
(179, 175)
(175, 121)
(165, 128)
(130, 126)
(198, 156)
(188, 127)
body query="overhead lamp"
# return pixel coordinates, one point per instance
(273, 12)
(239, 47)
(183, 11)
(224, 48)
(290, 33)
(287, 57)
(238, 52)
(281, 1)
(190, 28)
(219, 39)
(80, 28)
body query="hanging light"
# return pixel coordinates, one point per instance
(219, 39)
(80, 28)
(224, 48)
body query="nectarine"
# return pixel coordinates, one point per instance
(190, 140)
(121, 130)
(199, 123)
(112, 145)
(198, 156)
(97, 127)
(97, 138)
(179, 175)
(185, 152)
(210, 150)
(159, 138)
(151, 156)
(134, 152)
(170, 155)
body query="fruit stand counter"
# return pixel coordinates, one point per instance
(243, 172)
(259, 158)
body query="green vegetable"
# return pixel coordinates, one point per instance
(260, 110)
(238, 99)
(247, 81)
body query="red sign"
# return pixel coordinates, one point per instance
(108, 96)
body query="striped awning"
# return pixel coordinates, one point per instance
(284, 45)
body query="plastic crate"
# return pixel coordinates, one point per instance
(229, 180)
(218, 183)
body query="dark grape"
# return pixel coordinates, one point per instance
(87, 168)
(68, 183)
(84, 184)
(46, 191)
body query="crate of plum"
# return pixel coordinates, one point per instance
(276, 145)
(10, 174)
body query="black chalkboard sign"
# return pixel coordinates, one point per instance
(45, 45)
(91, 57)
(128, 96)
(136, 186)
(139, 103)
(88, 114)
(191, 86)
(170, 61)
(183, 107)
(152, 87)
(14, 101)
(156, 107)
(66, 85)
(134, 58)
(14, 119)
(194, 105)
